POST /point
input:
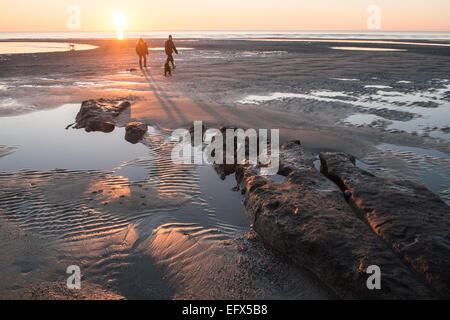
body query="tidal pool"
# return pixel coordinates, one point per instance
(41, 47)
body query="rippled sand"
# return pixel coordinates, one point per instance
(146, 229)
(141, 227)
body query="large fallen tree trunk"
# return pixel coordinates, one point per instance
(411, 220)
(308, 219)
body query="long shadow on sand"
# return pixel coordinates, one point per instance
(163, 98)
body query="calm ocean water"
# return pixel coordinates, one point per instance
(232, 35)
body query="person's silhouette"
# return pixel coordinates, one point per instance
(170, 48)
(142, 51)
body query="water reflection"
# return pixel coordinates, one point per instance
(368, 49)
(43, 143)
(41, 47)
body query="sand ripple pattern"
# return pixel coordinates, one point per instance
(171, 180)
(430, 170)
(78, 205)
(26, 198)
(5, 150)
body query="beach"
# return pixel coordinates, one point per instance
(142, 227)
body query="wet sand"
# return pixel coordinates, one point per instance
(141, 227)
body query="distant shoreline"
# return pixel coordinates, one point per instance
(235, 35)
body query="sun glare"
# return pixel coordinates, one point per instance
(119, 20)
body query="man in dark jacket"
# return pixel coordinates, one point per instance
(170, 48)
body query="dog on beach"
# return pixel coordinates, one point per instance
(167, 69)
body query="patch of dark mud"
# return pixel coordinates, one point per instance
(389, 114)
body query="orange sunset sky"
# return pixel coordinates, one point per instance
(96, 15)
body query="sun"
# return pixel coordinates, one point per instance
(119, 19)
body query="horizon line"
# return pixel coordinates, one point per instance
(232, 30)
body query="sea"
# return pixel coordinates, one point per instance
(375, 35)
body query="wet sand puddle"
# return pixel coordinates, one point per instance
(427, 167)
(394, 109)
(109, 214)
(41, 47)
(137, 225)
(368, 49)
(423, 166)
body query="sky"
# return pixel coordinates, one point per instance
(154, 15)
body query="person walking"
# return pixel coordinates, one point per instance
(170, 49)
(142, 51)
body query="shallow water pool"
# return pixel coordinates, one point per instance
(41, 47)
